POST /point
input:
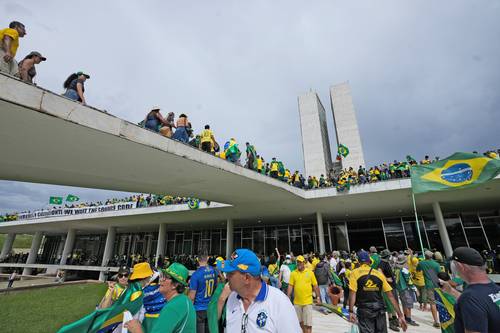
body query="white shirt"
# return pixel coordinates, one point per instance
(333, 263)
(271, 311)
(285, 273)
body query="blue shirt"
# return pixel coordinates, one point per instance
(478, 309)
(204, 281)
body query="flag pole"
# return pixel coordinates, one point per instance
(416, 221)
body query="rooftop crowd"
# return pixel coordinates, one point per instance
(140, 200)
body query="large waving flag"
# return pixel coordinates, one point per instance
(460, 170)
(106, 320)
(445, 306)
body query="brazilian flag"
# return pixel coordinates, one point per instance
(55, 200)
(460, 170)
(72, 198)
(445, 306)
(343, 150)
(106, 320)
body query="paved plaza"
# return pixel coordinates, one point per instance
(333, 323)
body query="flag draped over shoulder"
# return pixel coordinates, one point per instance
(460, 170)
(445, 306)
(104, 320)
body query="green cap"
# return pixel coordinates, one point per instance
(82, 73)
(178, 272)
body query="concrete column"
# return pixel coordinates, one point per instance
(149, 240)
(321, 233)
(229, 238)
(60, 247)
(121, 249)
(35, 246)
(7, 246)
(68, 246)
(438, 215)
(108, 250)
(160, 246)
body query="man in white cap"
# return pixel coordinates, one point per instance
(284, 275)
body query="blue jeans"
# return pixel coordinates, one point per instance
(181, 135)
(274, 281)
(71, 94)
(323, 291)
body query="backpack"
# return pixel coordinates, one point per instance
(322, 273)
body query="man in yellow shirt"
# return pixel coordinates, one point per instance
(366, 286)
(9, 43)
(417, 277)
(259, 164)
(302, 282)
(207, 139)
(274, 168)
(426, 160)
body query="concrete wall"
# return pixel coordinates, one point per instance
(346, 125)
(315, 143)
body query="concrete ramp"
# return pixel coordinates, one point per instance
(46, 138)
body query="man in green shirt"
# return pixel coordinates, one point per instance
(178, 315)
(430, 268)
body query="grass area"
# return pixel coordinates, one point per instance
(47, 309)
(21, 241)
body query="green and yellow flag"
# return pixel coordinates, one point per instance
(106, 320)
(460, 170)
(55, 200)
(72, 198)
(445, 306)
(342, 150)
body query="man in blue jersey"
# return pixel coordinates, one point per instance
(201, 286)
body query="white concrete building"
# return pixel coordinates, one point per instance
(346, 125)
(315, 142)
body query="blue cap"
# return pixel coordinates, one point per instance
(363, 256)
(243, 260)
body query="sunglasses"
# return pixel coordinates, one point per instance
(122, 276)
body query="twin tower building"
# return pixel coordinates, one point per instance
(315, 140)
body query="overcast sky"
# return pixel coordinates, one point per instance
(425, 75)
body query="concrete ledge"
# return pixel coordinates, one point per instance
(63, 267)
(48, 285)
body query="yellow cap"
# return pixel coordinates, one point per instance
(300, 259)
(141, 271)
(219, 259)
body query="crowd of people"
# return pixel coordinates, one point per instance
(249, 293)
(139, 200)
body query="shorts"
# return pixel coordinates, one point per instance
(206, 146)
(10, 67)
(428, 296)
(305, 314)
(420, 294)
(406, 297)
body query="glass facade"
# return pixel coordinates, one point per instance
(479, 230)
